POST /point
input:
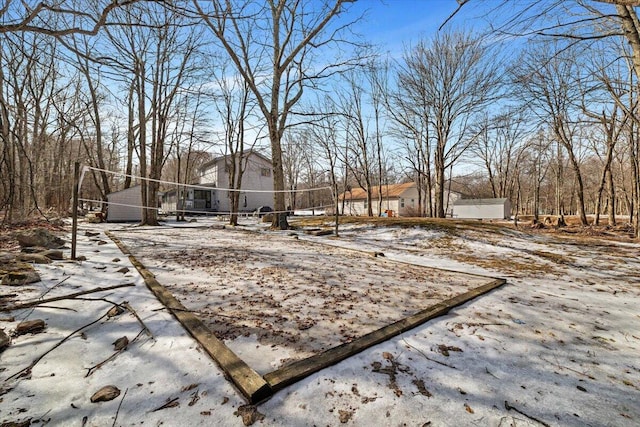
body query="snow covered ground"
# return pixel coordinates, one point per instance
(275, 299)
(558, 345)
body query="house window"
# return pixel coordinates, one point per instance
(245, 201)
(402, 203)
(366, 204)
(265, 172)
(412, 202)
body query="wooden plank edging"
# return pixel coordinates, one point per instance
(257, 388)
(248, 381)
(288, 375)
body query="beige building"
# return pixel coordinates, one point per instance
(397, 200)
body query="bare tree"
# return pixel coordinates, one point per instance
(499, 147)
(409, 110)
(576, 22)
(155, 60)
(58, 18)
(293, 147)
(361, 144)
(458, 78)
(235, 106)
(29, 81)
(324, 134)
(272, 45)
(552, 92)
(536, 163)
(81, 46)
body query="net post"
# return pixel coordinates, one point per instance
(74, 213)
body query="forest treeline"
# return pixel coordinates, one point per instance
(541, 109)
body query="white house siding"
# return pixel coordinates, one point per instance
(359, 207)
(125, 205)
(407, 204)
(482, 208)
(252, 179)
(210, 175)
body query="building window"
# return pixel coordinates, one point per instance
(245, 201)
(265, 172)
(412, 202)
(402, 203)
(366, 204)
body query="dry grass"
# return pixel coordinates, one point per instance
(504, 264)
(553, 257)
(436, 224)
(581, 234)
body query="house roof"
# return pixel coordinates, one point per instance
(392, 191)
(226, 156)
(477, 202)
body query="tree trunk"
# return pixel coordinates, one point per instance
(279, 215)
(440, 179)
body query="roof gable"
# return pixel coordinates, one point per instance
(391, 191)
(245, 154)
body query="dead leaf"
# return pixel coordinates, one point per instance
(120, 343)
(421, 388)
(468, 409)
(190, 387)
(249, 414)
(115, 311)
(345, 416)
(105, 394)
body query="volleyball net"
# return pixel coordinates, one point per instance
(182, 188)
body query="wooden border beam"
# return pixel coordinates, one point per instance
(248, 381)
(303, 368)
(256, 388)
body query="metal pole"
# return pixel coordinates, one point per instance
(74, 214)
(335, 190)
(337, 212)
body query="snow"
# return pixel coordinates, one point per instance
(559, 342)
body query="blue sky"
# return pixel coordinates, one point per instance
(393, 24)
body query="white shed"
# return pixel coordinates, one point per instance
(482, 208)
(125, 205)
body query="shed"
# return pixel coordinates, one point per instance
(499, 208)
(125, 205)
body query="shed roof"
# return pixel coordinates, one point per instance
(390, 191)
(125, 190)
(476, 202)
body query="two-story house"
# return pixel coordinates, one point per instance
(212, 194)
